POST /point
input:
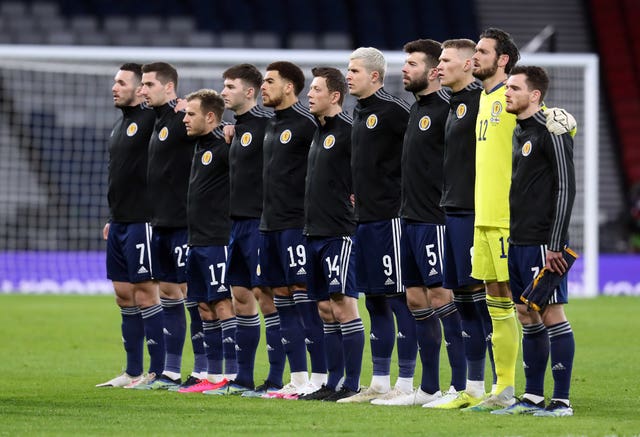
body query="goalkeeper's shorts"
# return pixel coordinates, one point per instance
(525, 264)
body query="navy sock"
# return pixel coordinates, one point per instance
(480, 299)
(153, 318)
(475, 347)
(450, 319)
(353, 348)
(175, 330)
(197, 338)
(292, 333)
(429, 336)
(229, 345)
(382, 333)
(213, 346)
(313, 331)
(247, 339)
(535, 355)
(334, 354)
(275, 350)
(562, 346)
(133, 339)
(406, 337)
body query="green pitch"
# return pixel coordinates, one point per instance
(54, 349)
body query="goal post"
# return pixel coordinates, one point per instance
(56, 113)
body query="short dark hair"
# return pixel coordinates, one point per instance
(504, 46)
(335, 80)
(165, 72)
(210, 101)
(247, 73)
(136, 69)
(537, 78)
(430, 48)
(291, 72)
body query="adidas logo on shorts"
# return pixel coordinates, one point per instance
(302, 271)
(142, 270)
(334, 282)
(389, 281)
(433, 272)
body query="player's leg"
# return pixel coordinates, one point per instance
(339, 259)
(490, 265)
(524, 263)
(562, 349)
(345, 310)
(376, 277)
(441, 300)
(320, 252)
(129, 266)
(204, 272)
(275, 349)
(242, 264)
(426, 324)
(197, 344)
(468, 296)
(169, 251)
(132, 330)
(275, 263)
(307, 307)
(314, 337)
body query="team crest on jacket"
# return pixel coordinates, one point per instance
(329, 142)
(526, 148)
(132, 129)
(425, 123)
(285, 136)
(245, 139)
(163, 134)
(207, 157)
(461, 110)
(496, 110)
(372, 121)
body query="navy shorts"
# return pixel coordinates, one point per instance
(169, 254)
(378, 269)
(206, 274)
(128, 252)
(330, 267)
(283, 258)
(458, 250)
(525, 262)
(422, 246)
(242, 262)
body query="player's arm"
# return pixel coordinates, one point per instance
(561, 156)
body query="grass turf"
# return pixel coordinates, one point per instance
(54, 349)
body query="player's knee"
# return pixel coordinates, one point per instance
(553, 314)
(326, 312)
(526, 316)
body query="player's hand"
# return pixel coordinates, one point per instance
(352, 199)
(105, 231)
(559, 121)
(556, 262)
(181, 105)
(229, 131)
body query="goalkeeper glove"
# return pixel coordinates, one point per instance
(537, 294)
(560, 121)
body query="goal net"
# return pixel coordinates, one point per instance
(56, 113)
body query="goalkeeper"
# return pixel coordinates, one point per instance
(541, 198)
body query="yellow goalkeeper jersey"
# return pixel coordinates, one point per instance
(494, 132)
